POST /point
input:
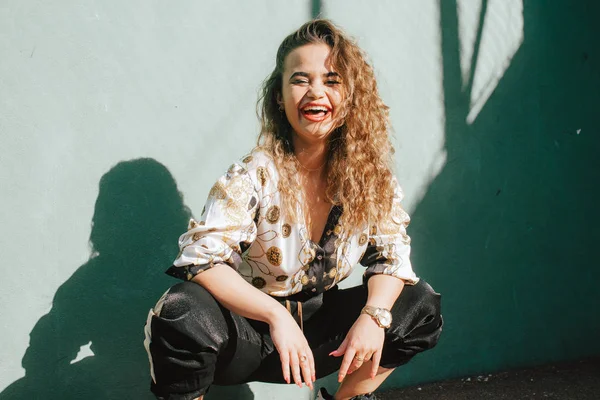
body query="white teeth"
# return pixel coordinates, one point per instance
(315, 109)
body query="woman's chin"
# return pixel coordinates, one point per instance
(314, 135)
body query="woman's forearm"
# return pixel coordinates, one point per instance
(384, 290)
(238, 296)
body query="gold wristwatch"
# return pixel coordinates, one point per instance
(382, 316)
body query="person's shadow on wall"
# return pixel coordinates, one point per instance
(138, 216)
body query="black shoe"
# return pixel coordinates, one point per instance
(323, 395)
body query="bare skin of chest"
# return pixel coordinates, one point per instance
(317, 207)
(319, 211)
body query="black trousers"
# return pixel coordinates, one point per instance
(193, 341)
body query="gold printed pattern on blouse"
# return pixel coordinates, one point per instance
(196, 236)
(332, 273)
(268, 235)
(305, 280)
(286, 229)
(231, 170)
(274, 256)
(262, 174)
(306, 254)
(397, 223)
(281, 278)
(259, 282)
(337, 230)
(235, 212)
(240, 190)
(273, 214)
(399, 216)
(362, 239)
(218, 191)
(312, 254)
(247, 159)
(405, 238)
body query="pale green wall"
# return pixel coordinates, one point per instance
(500, 185)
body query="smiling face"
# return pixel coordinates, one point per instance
(311, 93)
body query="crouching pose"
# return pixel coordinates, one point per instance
(282, 228)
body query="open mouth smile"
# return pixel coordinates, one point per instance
(315, 112)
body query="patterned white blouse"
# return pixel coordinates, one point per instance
(242, 225)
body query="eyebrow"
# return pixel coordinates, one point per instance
(306, 75)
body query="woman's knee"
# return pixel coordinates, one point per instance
(416, 325)
(185, 335)
(417, 314)
(429, 301)
(190, 313)
(185, 298)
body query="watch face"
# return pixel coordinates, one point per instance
(385, 318)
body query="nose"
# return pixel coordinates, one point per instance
(316, 91)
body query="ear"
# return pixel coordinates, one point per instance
(279, 99)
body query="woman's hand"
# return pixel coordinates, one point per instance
(294, 351)
(237, 295)
(363, 342)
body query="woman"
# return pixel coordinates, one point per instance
(282, 228)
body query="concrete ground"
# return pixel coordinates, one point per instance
(578, 380)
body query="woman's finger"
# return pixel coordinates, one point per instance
(357, 362)
(306, 371)
(348, 357)
(375, 364)
(340, 350)
(368, 356)
(285, 366)
(311, 363)
(295, 364)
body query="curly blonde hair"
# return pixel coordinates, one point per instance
(359, 159)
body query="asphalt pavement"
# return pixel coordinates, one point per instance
(577, 380)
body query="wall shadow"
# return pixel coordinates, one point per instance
(139, 213)
(506, 230)
(316, 9)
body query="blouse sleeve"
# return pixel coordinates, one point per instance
(225, 230)
(388, 251)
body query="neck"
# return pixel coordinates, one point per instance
(312, 157)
